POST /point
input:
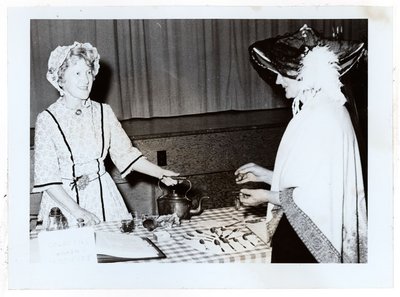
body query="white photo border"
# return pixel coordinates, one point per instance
(376, 274)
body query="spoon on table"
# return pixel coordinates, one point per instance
(223, 227)
(216, 241)
(203, 243)
(245, 238)
(237, 240)
(202, 233)
(214, 230)
(233, 231)
(224, 240)
(195, 238)
(204, 236)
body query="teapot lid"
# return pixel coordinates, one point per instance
(173, 195)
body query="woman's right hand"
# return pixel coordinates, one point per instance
(88, 217)
(251, 172)
(253, 197)
(58, 194)
(167, 177)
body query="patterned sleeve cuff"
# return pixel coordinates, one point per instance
(128, 168)
(310, 234)
(37, 188)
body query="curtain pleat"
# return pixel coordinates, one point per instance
(168, 67)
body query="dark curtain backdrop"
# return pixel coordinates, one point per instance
(160, 68)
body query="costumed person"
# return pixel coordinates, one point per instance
(73, 136)
(319, 213)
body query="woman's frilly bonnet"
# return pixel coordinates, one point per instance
(58, 56)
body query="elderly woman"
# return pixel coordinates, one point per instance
(319, 212)
(73, 136)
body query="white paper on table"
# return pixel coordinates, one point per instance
(124, 246)
(75, 245)
(259, 229)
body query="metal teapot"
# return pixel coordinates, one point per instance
(172, 203)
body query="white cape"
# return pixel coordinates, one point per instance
(318, 172)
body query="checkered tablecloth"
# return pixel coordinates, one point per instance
(177, 250)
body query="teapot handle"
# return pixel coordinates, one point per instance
(160, 187)
(190, 187)
(179, 178)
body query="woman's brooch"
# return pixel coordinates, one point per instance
(80, 182)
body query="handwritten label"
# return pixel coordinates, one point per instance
(75, 245)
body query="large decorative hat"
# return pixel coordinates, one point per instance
(283, 54)
(58, 56)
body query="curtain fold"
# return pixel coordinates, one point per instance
(169, 67)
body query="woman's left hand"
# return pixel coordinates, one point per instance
(255, 197)
(251, 172)
(166, 178)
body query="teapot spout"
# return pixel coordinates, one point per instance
(199, 208)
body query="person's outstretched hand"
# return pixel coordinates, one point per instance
(89, 218)
(253, 197)
(166, 178)
(251, 172)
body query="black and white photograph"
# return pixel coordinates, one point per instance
(243, 148)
